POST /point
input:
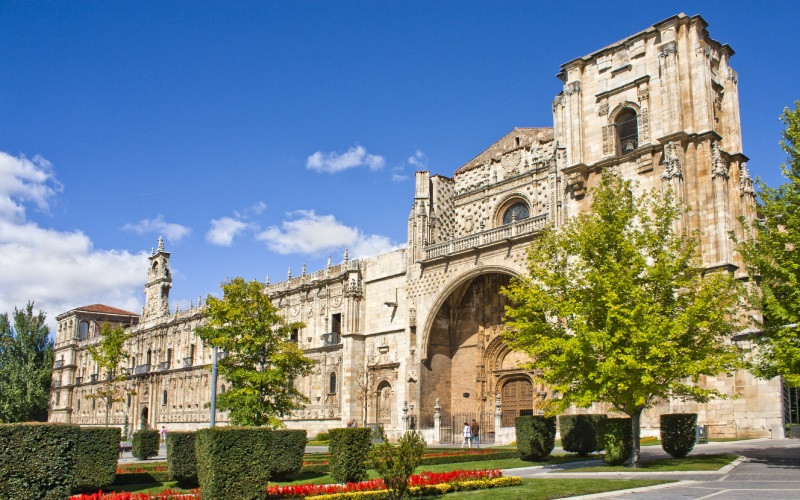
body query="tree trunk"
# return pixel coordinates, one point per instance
(635, 435)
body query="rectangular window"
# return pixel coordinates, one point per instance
(336, 323)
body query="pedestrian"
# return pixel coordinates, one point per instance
(475, 430)
(467, 436)
(163, 434)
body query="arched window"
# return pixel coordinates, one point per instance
(627, 131)
(332, 384)
(164, 398)
(222, 389)
(83, 332)
(516, 212)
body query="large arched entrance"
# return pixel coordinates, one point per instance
(466, 356)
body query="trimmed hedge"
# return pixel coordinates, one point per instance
(322, 436)
(145, 443)
(678, 433)
(233, 462)
(618, 440)
(579, 433)
(37, 460)
(286, 453)
(349, 449)
(536, 436)
(181, 462)
(98, 452)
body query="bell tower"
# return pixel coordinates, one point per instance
(159, 281)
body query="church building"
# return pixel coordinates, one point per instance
(412, 338)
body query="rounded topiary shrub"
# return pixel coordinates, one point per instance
(536, 436)
(145, 443)
(98, 452)
(579, 434)
(349, 449)
(678, 433)
(322, 436)
(181, 462)
(618, 438)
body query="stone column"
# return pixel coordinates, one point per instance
(720, 176)
(405, 416)
(437, 422)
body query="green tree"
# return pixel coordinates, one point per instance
(773, 257)
(261, 362)
(616, 308)
(26, 366)
(109, 354)
(396, 464)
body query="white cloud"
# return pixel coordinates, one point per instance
(173, 232)
(310, 233)
(418, 159)
(396, 177)
(333, 162)
(56, 270)
(223, 231)
(23, 180)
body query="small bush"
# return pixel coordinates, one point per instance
(678, 433)
(181, 461)
(579, 434)
(233, 462)
(37, 461)
(349, 449)
(322, 436)
(395, 464)
(618, 440)
(145, 443)
(98, 452)
(286, 449)
(536, 436)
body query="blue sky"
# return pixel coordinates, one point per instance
(255, 136)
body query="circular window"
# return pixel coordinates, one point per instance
(517, 211)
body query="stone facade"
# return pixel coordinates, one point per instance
(412, 337)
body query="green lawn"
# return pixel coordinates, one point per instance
(693, 463)
(536, 489)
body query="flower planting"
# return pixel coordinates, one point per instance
(417, 480)
(126, 495)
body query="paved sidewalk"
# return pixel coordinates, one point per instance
(770, 468)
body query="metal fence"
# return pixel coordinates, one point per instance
(452, 425)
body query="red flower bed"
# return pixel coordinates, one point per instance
(128, 469)
(424, 479)
(164, 495)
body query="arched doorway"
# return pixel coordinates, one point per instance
(517, 399)
(384, 403)
(468, 319)
(143, 424)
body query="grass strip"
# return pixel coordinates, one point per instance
(691, 463)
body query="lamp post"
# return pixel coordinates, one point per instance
(213, 386)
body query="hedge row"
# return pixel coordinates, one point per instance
(349, 449)
(98, 452)
(38, 460)
(181, 462)
(237, 462)
(618, 440)
(580, 433)
(145, 443)
(536, 436)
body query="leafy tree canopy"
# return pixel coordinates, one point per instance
(774, 256)
(616, 308)
(261, 363)
(109, 353)
(26, 365)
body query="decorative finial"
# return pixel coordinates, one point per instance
(267, 281)
(160, 244)
(303, 270)
(152, 251)
(346, 256)
(289, 276)
(199, 301)
(329, 261)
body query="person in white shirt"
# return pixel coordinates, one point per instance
(467, 436)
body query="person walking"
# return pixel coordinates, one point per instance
(475, 431)
(467, 436)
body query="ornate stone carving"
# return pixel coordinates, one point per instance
(672, 164)
(745, 182)
(602, 109)
(719, 167)
(577, 184)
